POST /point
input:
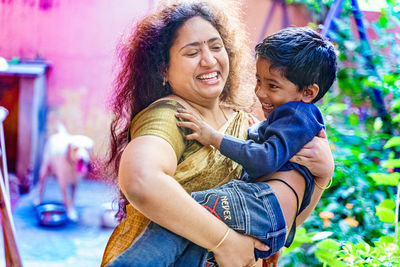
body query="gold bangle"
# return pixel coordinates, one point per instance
(222, 240)
(321, 187)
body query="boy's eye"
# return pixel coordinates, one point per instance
(273, 86)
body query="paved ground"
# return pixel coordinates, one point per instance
(75, 244)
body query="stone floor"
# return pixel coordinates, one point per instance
(74, 244)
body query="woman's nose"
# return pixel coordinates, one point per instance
(207, 58)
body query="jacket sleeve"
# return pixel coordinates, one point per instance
(287, 130)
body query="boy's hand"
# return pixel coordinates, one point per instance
(201, 131)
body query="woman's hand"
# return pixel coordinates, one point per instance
(238, 250)
(317, 157)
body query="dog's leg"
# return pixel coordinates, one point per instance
(71, 212)
(73, 191)
(44, 172)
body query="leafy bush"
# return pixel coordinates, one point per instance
(359, 230)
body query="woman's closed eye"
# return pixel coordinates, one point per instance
(192, 53)
(216, 47)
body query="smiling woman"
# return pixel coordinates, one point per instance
(183, 56)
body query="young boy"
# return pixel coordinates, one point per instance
(295, 68)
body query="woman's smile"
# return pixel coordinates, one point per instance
(211, 78)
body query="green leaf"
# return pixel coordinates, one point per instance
(326, 252)
(388, 203)
(335, 108)
(385, 178)
(395, 104)
(354, 120)
(395, 163)
(378, 124)
(383, 21)
(385, 211)
(385, 240)
(300, 238)
(396, 118)
(394, 141)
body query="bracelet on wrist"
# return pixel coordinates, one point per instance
(222, 240)
(321, 187)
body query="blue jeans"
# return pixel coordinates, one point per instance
(248, 208)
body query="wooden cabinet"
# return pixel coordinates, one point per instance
(23, 93)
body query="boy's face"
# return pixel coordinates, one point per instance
(272, 88)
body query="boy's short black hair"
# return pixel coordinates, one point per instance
(303, 56)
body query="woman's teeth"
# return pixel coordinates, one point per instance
(208, 76)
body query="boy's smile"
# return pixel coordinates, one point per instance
(272, 88)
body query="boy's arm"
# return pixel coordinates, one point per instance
(289, 128)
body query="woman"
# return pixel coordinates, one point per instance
(185, 55)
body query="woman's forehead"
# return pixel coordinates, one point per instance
(195, 30)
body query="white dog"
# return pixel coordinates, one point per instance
(66, 157)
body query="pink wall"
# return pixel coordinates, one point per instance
(78, 39)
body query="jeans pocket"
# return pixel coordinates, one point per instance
(225, 205)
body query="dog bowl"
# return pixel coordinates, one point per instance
(51, 214)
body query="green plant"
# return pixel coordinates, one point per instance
(362, 198)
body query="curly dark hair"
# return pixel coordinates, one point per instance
(145, 58)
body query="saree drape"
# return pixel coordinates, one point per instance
(206, 168)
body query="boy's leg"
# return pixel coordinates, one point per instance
(248, 208)
(156, 247)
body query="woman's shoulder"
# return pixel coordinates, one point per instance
(165, 103)
(159, 119)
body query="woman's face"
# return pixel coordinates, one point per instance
(199, 64)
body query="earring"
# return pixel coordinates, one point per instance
(164, 81)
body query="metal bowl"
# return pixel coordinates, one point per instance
(51, 214)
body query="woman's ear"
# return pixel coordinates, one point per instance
(164, 74)
(309, 93)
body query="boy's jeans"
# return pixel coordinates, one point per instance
(248, 208)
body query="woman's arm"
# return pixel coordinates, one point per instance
(147, 166)
(317, 157)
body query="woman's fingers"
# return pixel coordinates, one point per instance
(260, 245)
(322, 134)
(316, 156)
